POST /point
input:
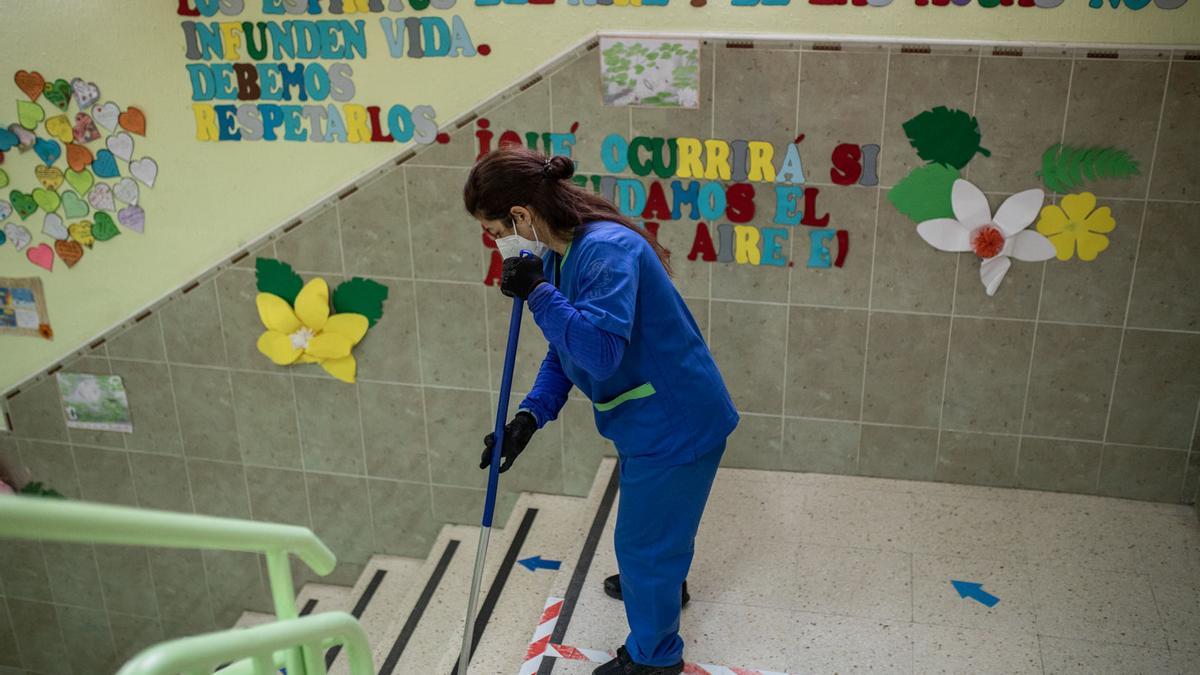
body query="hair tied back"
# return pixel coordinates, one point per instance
(558, 167)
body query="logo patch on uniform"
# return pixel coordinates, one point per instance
(599, 275)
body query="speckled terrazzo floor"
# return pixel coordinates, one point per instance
(807, 573)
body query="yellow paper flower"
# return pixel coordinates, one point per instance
(309, 334)
(1077, 223)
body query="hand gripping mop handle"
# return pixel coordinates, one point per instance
(489, 505)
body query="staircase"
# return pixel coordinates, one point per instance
(413, 611)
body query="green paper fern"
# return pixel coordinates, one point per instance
(1065, 167)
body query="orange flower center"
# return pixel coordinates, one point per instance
(987, 241)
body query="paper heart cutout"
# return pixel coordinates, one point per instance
(53, 227)
(73, 204)
(49, 151)
(86, 93)
(23, 203)
(69, 251)
(127, 191)
(58, 92)
(104, 228)
(42, 256)
(145, 170)
(82, 181)
(85, 129)
(106, 115)
(82, 233)
(121, 145)
(101, 197)
(19, 236)
(8, 140)
(3, 178)
(30, 82)
(25, 137)
(78, 157)
(60, 127)
(29, 114)
(49, 176)
(5, 210)
(105, 165)
(133, 217)
(48, 200)
(133, 119)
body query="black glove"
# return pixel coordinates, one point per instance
(521, 275)
(516, 437)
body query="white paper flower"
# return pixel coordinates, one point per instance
(995, 239)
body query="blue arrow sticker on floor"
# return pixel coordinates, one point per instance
(536, 563)
(967, 589)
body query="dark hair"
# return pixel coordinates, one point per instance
(514, 175)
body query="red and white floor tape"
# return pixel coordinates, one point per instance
(540, 647)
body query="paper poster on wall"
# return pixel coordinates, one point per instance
(23, 308)
(95, 402)
(650, 73)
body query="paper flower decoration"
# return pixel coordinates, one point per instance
(308, 334)
(994, 239)
(1077, 224)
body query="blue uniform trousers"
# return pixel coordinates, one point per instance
(657, 519)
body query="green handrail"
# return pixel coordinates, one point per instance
(41, 518)
(58, 520)
(202, 653)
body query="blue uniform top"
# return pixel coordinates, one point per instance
(665, 402)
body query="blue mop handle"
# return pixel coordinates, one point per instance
(510, 357)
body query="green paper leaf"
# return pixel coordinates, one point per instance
(360, 296)
(277, 278)
(945, 136)
(1066, 167)
(37, 489)
(924, 194)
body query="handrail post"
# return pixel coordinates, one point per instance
(283, 594)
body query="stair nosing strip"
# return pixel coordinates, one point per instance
(414, 616)
(360, 607)
(498, 582)
(586, 555)
(309, 607)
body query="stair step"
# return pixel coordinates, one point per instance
(324, 598)
(432, 644)
(555, 529)
(555, 535)
(252, 619)
(423, 643)
(378, 594)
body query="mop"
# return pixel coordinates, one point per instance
(489, 506)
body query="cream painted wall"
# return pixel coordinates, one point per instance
(213, 198)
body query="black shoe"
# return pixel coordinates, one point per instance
(612, 588)
(623, 665)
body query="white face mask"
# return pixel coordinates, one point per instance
(512, 245)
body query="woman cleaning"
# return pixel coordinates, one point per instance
(600, 290)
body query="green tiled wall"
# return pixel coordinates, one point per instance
(1076, 377)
